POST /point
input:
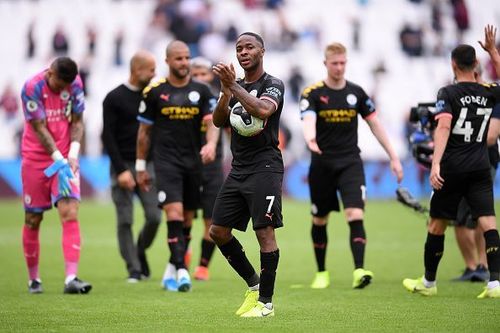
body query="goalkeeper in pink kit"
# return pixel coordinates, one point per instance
(53, 105)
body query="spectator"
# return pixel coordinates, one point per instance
(9, 103)
(411, 41)
(60, 44)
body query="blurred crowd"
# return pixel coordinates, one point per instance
(210, 29)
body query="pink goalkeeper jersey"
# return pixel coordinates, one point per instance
(39, 102)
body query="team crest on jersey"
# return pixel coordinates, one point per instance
(142, 107)
(32, 106)
(194, 97)
(351, 99)
(253, 93)
(304, 104)
(64, 95)
(27, 199)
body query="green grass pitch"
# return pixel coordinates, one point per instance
(394, 251)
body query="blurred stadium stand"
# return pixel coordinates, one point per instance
(295, 35)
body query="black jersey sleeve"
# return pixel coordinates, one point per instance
(496, 111)
(308, 103)
(208, 102)
(273, 91)
(366, 105)
(147, 106)
(443, 105)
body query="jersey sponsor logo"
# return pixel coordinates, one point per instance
(253, 93)
(194, 97)
(304, 104)
(324, 99)
(338, 115)
(180, 112)
(56, 115)
(64, 95)
(351, 99)
(142, 107)
(31, 106)
(165, 97)
(274, 92)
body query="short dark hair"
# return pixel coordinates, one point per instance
(65, 69)
(464, 56)
(253, 34)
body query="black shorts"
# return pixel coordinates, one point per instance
(212, 180)
(475, 186)
(256, 196)
(464, 216)
(327, 176)
(175, 184)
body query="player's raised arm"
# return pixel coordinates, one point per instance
(489, 45)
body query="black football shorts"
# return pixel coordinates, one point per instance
(327, 176)
(475, 186)
(256, 196)
(212, 180)
(175, 184)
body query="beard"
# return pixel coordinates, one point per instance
(180, 73)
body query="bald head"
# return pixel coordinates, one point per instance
(178, 57)
(142, 68)
(176, 46)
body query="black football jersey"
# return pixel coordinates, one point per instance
(259, 153)
(336, 114)
(177, 114)
(469, 105)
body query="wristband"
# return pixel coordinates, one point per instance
(74, 150)
(56, 155)
(140, 165)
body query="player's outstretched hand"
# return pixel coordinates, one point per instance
(64, 175)
(397, 170)
(143, 180)
(490, 33)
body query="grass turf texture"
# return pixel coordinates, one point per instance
(394, 251)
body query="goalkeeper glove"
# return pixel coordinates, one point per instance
(64, 175)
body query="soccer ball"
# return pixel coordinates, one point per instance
(244, 123)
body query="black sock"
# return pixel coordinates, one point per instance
(186, 231)
(358, 242)
(493, 253)
(434, 247)
(176, 243)
(320, 241)
(235, 255)
(268, 265)
(207, 249)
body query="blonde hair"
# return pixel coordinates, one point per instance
(335, 48)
